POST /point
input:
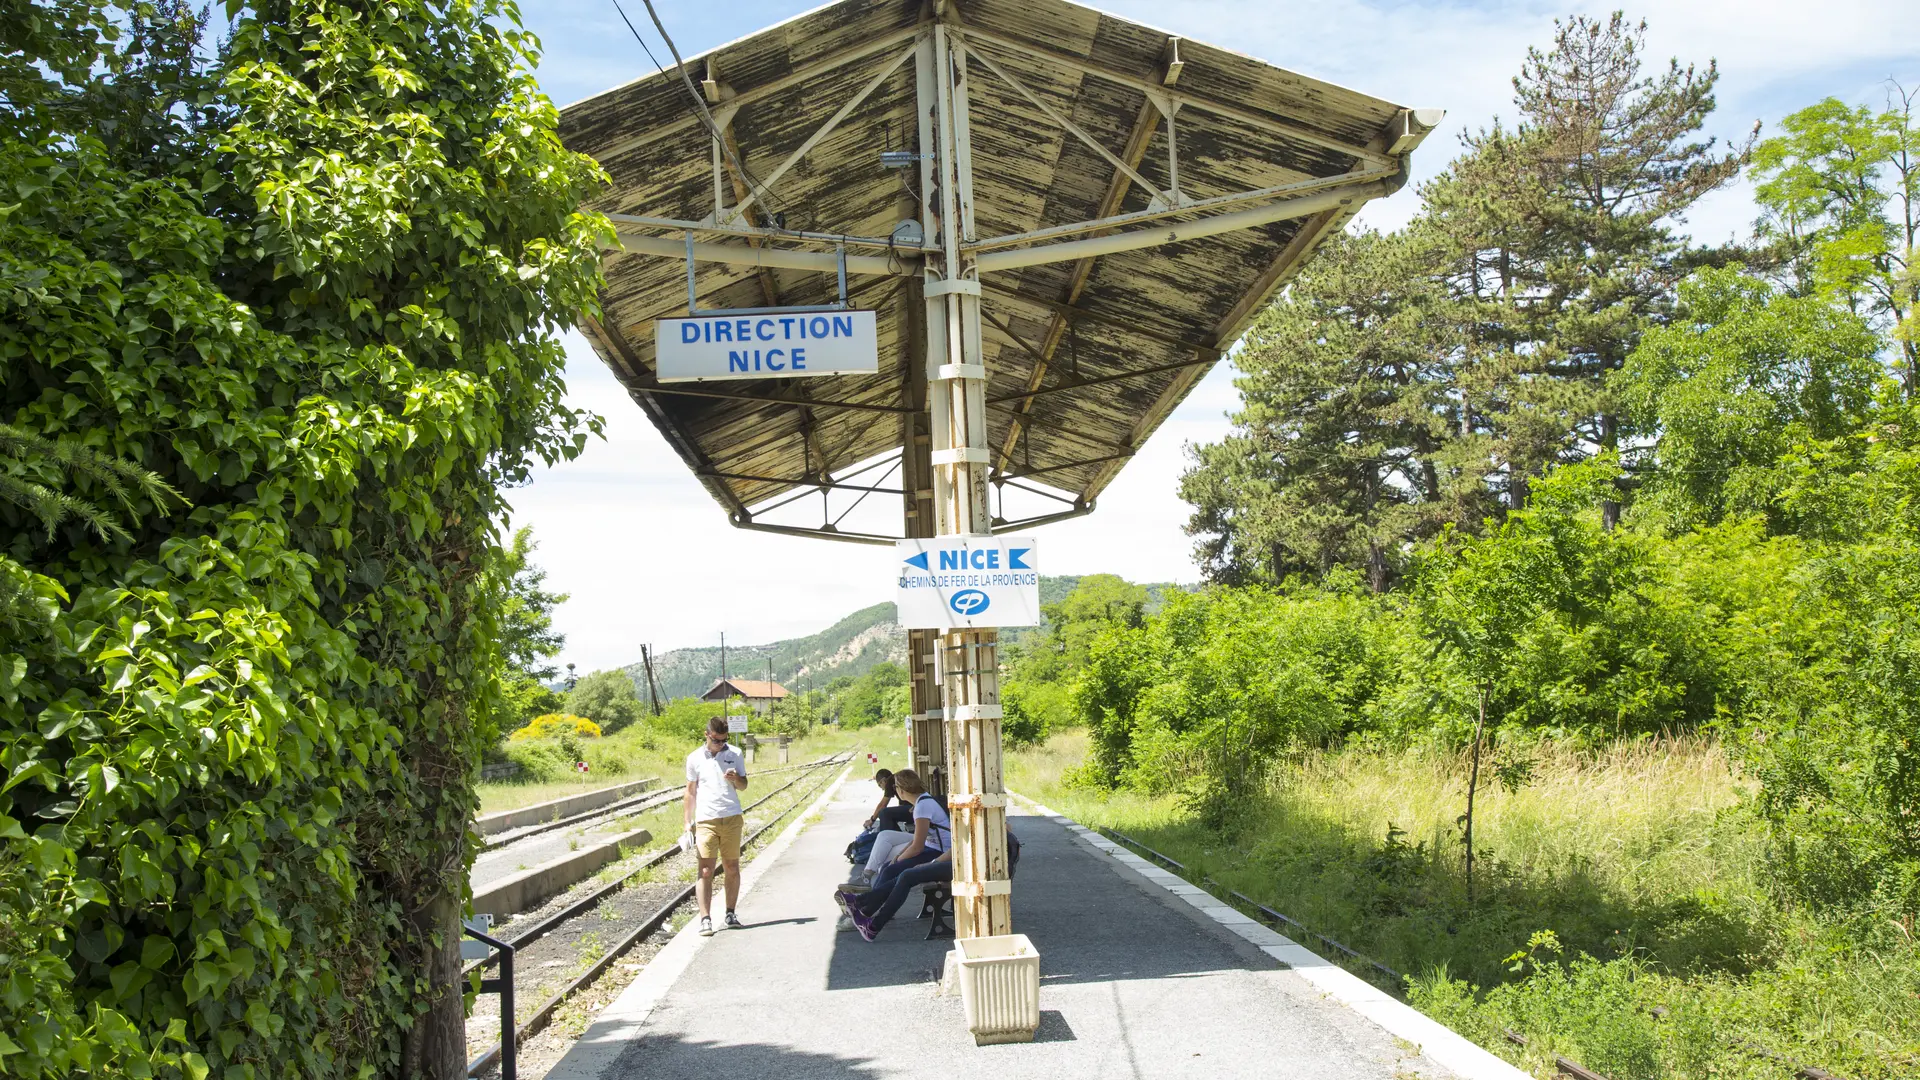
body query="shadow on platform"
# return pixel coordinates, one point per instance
(1093, 927)
(660, 1057)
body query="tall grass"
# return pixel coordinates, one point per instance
(638, 752)
(1663, 951)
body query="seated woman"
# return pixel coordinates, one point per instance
(880, 836)
(926, 857)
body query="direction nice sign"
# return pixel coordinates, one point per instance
(772, 346)
(948, 582)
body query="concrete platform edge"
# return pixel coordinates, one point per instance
(553, 810)
(530, 888)
(595, 1052)
(1449, 1048)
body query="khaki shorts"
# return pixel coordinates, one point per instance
(719, 838)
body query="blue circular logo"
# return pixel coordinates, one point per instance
(969, 602)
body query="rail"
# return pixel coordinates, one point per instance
(651, 800)
(541, 1016)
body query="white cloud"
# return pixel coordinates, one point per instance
(648, 556)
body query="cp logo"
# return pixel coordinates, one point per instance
(969, 602)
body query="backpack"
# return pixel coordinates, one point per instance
(862, 845)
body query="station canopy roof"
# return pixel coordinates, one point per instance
(1087, 348)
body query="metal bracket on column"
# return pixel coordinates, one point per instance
(985, 800)
(1002, 887)
(977, 712)
(930, 714)
(970, 455)
(960, 371)
(943, 286)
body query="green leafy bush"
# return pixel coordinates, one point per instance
(554, 725)
(1205, 694)
(318, 290)
(1032, 710)
(684, 720)
(608, 698)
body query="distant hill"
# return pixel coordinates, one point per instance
(851, 646)
(848, 647)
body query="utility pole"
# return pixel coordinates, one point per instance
(653, 688)
(956, 376)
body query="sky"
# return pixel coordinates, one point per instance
(647, 556)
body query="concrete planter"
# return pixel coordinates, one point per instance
(1000, 986)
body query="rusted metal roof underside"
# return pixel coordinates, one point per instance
(1085, 356)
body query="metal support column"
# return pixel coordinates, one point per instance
(957, 413)
(916, 476)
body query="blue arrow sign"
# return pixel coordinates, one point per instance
(976, 581)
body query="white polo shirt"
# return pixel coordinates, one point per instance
(715, 798)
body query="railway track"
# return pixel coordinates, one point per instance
(567, 948)
(637, 804)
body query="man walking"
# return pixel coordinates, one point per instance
(716, 774)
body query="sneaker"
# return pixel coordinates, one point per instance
(864, 924)
(844, 924)
(845, 898)
(733, 921)
(706, 926)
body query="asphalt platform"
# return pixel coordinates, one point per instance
(1135, 982)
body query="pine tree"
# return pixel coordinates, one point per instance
(1343, 449)
(1567, 232)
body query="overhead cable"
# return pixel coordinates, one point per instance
(699, 101)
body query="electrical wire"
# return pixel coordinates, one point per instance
(767, 200)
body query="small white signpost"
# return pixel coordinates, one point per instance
(950, 582)
(769, 346)
(736, 723)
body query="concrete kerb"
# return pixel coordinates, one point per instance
(529, 888)
(541, 813)
(621, 1021)
(1438, 1042)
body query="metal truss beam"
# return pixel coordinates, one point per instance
(831, 62)
(753, 232)
(1197, 229)
(1098, 380)
(1122, 166)
(1021, 474)
(802, 481)
(1231, 112)
(1114, 221)
(783, 258)
(686, 390)
(829, 127)
(1083, 314)
(1080, 510)
(823, 532)
(725, 152)
(1144, 125)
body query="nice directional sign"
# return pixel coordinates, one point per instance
(773, 346)
(967, 581)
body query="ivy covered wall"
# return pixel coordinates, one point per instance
(315, 286)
